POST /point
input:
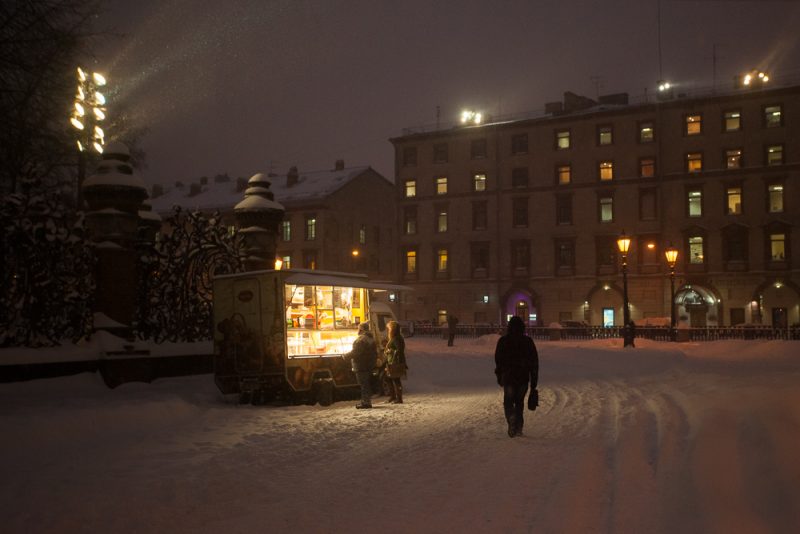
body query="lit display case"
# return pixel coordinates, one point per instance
(322, 320)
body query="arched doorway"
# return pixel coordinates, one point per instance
(523, 303)
(777, 303)
(603, 305)
(697, 306)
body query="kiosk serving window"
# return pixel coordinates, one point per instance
(322, 320)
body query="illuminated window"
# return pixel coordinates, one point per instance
(564, 174)
(519, 212)
(733, 158)
(734, 195)
(362, 235)
(479, 182)
(696, 250)
(695, 203)
(647, 167)
(775, 155)
(441, 260)
(562, 139)
(441, 185)
(311, 227)
(411, 188)
(440, 153)
(519, 144)
(286, 231)
(732, 120)
(478, 149)
(441, 220)
(775, 193)
(287, 262)
(694, 162)
(777, 247)
(409, 156)
(519, 177)
(411, 261)
(694, 124)
(606, 209)
(772, 116)
(646, 132)
(605, 135)
(606, 170)
(410, 224)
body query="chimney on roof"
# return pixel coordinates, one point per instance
(292, 176)
(241, 184)
(339, 165)
(573, 102)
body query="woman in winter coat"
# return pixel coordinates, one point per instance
(516, 362)
(395, 361)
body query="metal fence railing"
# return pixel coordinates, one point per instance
(656, 333)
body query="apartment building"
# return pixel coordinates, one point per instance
(522, 216)
(335, 219)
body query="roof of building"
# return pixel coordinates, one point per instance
(221, 193)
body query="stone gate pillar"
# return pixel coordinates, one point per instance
(114, 196)
(258, 217)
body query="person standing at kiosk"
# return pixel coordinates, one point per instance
(363, 358)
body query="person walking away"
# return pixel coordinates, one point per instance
(363, 358)
(516, 363)
(395, 361)
(452, 322)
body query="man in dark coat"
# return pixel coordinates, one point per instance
(516, 362)
(452, 322)
(363, 358)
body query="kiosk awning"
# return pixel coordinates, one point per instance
(309, 279)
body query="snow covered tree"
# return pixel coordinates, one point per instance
(47, 268)
(176, 276)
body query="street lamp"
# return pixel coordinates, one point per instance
(88, 111)
(624, 244)
(671, 253)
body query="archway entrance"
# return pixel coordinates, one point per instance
(697, 306)
(522, 303)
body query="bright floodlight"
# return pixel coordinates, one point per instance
(664, 86)
(469, 116)
(76, 123)
(755, 76)
(99, 79)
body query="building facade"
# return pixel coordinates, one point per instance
(334, 219)
(522, 216)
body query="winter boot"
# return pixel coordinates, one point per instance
(512, 427)
(399, 393)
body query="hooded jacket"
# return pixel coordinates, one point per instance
(516, 359)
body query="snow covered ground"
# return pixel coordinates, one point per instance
(661, 438)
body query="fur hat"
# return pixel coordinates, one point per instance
(363, 327)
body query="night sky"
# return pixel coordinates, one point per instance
(242, 86)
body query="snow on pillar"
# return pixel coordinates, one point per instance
(114, 196)
(258, 217)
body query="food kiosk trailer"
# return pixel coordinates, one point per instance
(283, 334)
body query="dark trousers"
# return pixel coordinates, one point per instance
(363, 378)
(514, 403)
(450, 338)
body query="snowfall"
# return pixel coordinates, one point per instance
(666, 437)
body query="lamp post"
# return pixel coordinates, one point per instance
(87, 113)
(624, 244)
(671, 253)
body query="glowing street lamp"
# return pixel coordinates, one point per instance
(671, 253)
(624, 244)
(754, 78)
